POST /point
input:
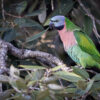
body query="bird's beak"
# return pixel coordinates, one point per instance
(51, 25)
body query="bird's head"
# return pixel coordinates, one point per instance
(57, 22)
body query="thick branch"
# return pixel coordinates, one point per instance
(24, 54)
(3, 56)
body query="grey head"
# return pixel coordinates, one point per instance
(57, 22)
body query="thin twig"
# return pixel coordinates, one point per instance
(2, 7)
(97, 20)
(91, 71)
(52, 5)
(11, 15)
(28, 33)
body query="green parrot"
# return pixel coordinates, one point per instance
(76, 43)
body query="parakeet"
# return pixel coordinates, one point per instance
(76, 43)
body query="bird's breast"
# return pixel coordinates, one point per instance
(68, 38)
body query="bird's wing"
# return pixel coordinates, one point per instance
(87, 45)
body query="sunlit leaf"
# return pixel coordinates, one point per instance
(35, 76)
(21, 84)
(55, 87)
(49, 79)
(81, 72)
(69, 76)
(15, 80)
(31, 83)
(14, 72)
(32, 67)
(56, 68)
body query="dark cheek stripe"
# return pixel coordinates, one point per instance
(60, 27)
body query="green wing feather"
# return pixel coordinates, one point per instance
(85, 43)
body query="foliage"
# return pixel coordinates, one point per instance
(25, 25)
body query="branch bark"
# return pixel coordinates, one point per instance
(6, 47)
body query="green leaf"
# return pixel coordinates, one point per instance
(15, 81)
(55, 87)
(35, 36)
(95, 87)
(6, 94)
(32, 67)
(17, 96)
(69, 76)
(71, 90)
(35, 76)
(63, 7)
(89, 86)
(35, 13)
(26, 22)
(88, 25)
(49, 79)
(96, 77)
(20, 96)
(42, 95)
(21, 7)
(14, 72)
(56, 68)
(20, 83)
(81, 72)
(59, 97)
(31, 83)
(3, 29)
(82, 84)
(10, 35)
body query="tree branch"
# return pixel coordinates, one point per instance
(6, 47)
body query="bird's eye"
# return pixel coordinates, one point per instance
(54, 20)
